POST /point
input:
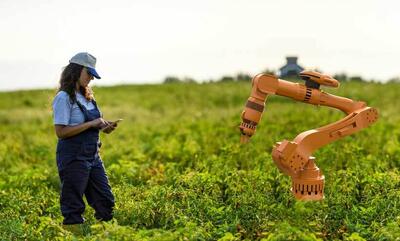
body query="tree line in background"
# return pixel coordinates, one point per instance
(342, 77)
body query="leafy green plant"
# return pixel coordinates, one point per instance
(178, 171)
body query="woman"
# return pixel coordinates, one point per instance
(78, 122)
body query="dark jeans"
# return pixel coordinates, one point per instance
(89, 178)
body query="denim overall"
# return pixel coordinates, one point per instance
(82, 172)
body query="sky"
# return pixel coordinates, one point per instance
(143, 41)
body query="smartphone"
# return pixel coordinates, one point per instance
(102, 129)
(117, 120)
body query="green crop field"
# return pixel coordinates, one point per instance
(178, 171)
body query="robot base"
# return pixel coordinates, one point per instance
(308, 184)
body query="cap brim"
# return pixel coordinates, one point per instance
(93, 72)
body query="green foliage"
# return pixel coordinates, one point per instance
(243, 77)
(356, 78)
(171, 79)
(227, 78)
(179, 173)
(342, 77)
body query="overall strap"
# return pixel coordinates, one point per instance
(95, 105)
(83, 109)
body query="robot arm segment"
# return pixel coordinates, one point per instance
(292, 156)
(264, 85)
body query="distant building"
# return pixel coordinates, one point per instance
(291, 69)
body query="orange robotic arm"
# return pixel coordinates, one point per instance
(294, 157)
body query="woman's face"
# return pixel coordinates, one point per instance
(85, 78)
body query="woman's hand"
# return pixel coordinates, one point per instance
(98, 123)
(110, 127)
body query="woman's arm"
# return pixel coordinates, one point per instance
(63, 131)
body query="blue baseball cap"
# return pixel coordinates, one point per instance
(87, 60)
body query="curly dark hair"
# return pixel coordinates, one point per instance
(69, 78)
